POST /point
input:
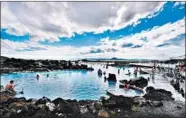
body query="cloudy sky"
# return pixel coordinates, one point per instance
(73, 30)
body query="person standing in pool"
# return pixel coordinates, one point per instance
(135, 72)
(129, 72)
(118, 71)
(126, 86)
(47, 75)
(37, 76)
(153, 74)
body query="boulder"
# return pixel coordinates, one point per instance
(149, 89)
(87, 115)
(17, 105)
(140, 82)
(9, 114)
(83, 109)
(90, 68)
(178, 107)
(156, 104)
(22, 108)
(43, 100)
(97, 105)
(157, 94)
(112, 77)
(5, 95)
(140, 101)
(143, 72)
(31, 100)
(118, 102)
(57, 101)
(29, 112)
(21, 99)
(64, 107)
(51, 106)
(103, 114)
(3, 112)
(67, 106)
(91, 108)
(33, 107)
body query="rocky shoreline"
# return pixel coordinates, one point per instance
(10, 65)
(155, 103)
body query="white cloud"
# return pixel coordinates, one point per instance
(48, 20)
(154, 37)
(178, 3)
(109, 48)
(51, 20)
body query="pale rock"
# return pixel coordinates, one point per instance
(103, 114)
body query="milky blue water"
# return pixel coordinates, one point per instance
(70, 84)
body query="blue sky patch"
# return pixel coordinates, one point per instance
(5, 35)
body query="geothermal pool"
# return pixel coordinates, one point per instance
(77, 84)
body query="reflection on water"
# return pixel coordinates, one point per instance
(111, 84)
(72, 84)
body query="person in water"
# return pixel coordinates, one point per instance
(10, 86)
(118, 71)
(135, 72)
(126, 86)
(129, 72)
(37, 76)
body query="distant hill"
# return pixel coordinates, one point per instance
(3, 58)
(114, 59)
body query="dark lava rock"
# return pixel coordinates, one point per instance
(97, 106)
(176, 84)
(9, 114)
(3, 112)
(149, 89)
(112, 77)
(31, 100)
(67, 106)
(87, 115)
(75, 106)
(21, 99)
(143, 72)
(118, 102)
(157, 94)
(85, 102)
(124, 81)
(64, 107)
(43, 100)
(178, 107)
(29, 112)
(140, 82)
(182, 92)
(57, 101)
(12, 100)
(33, 107)
(156, 103)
